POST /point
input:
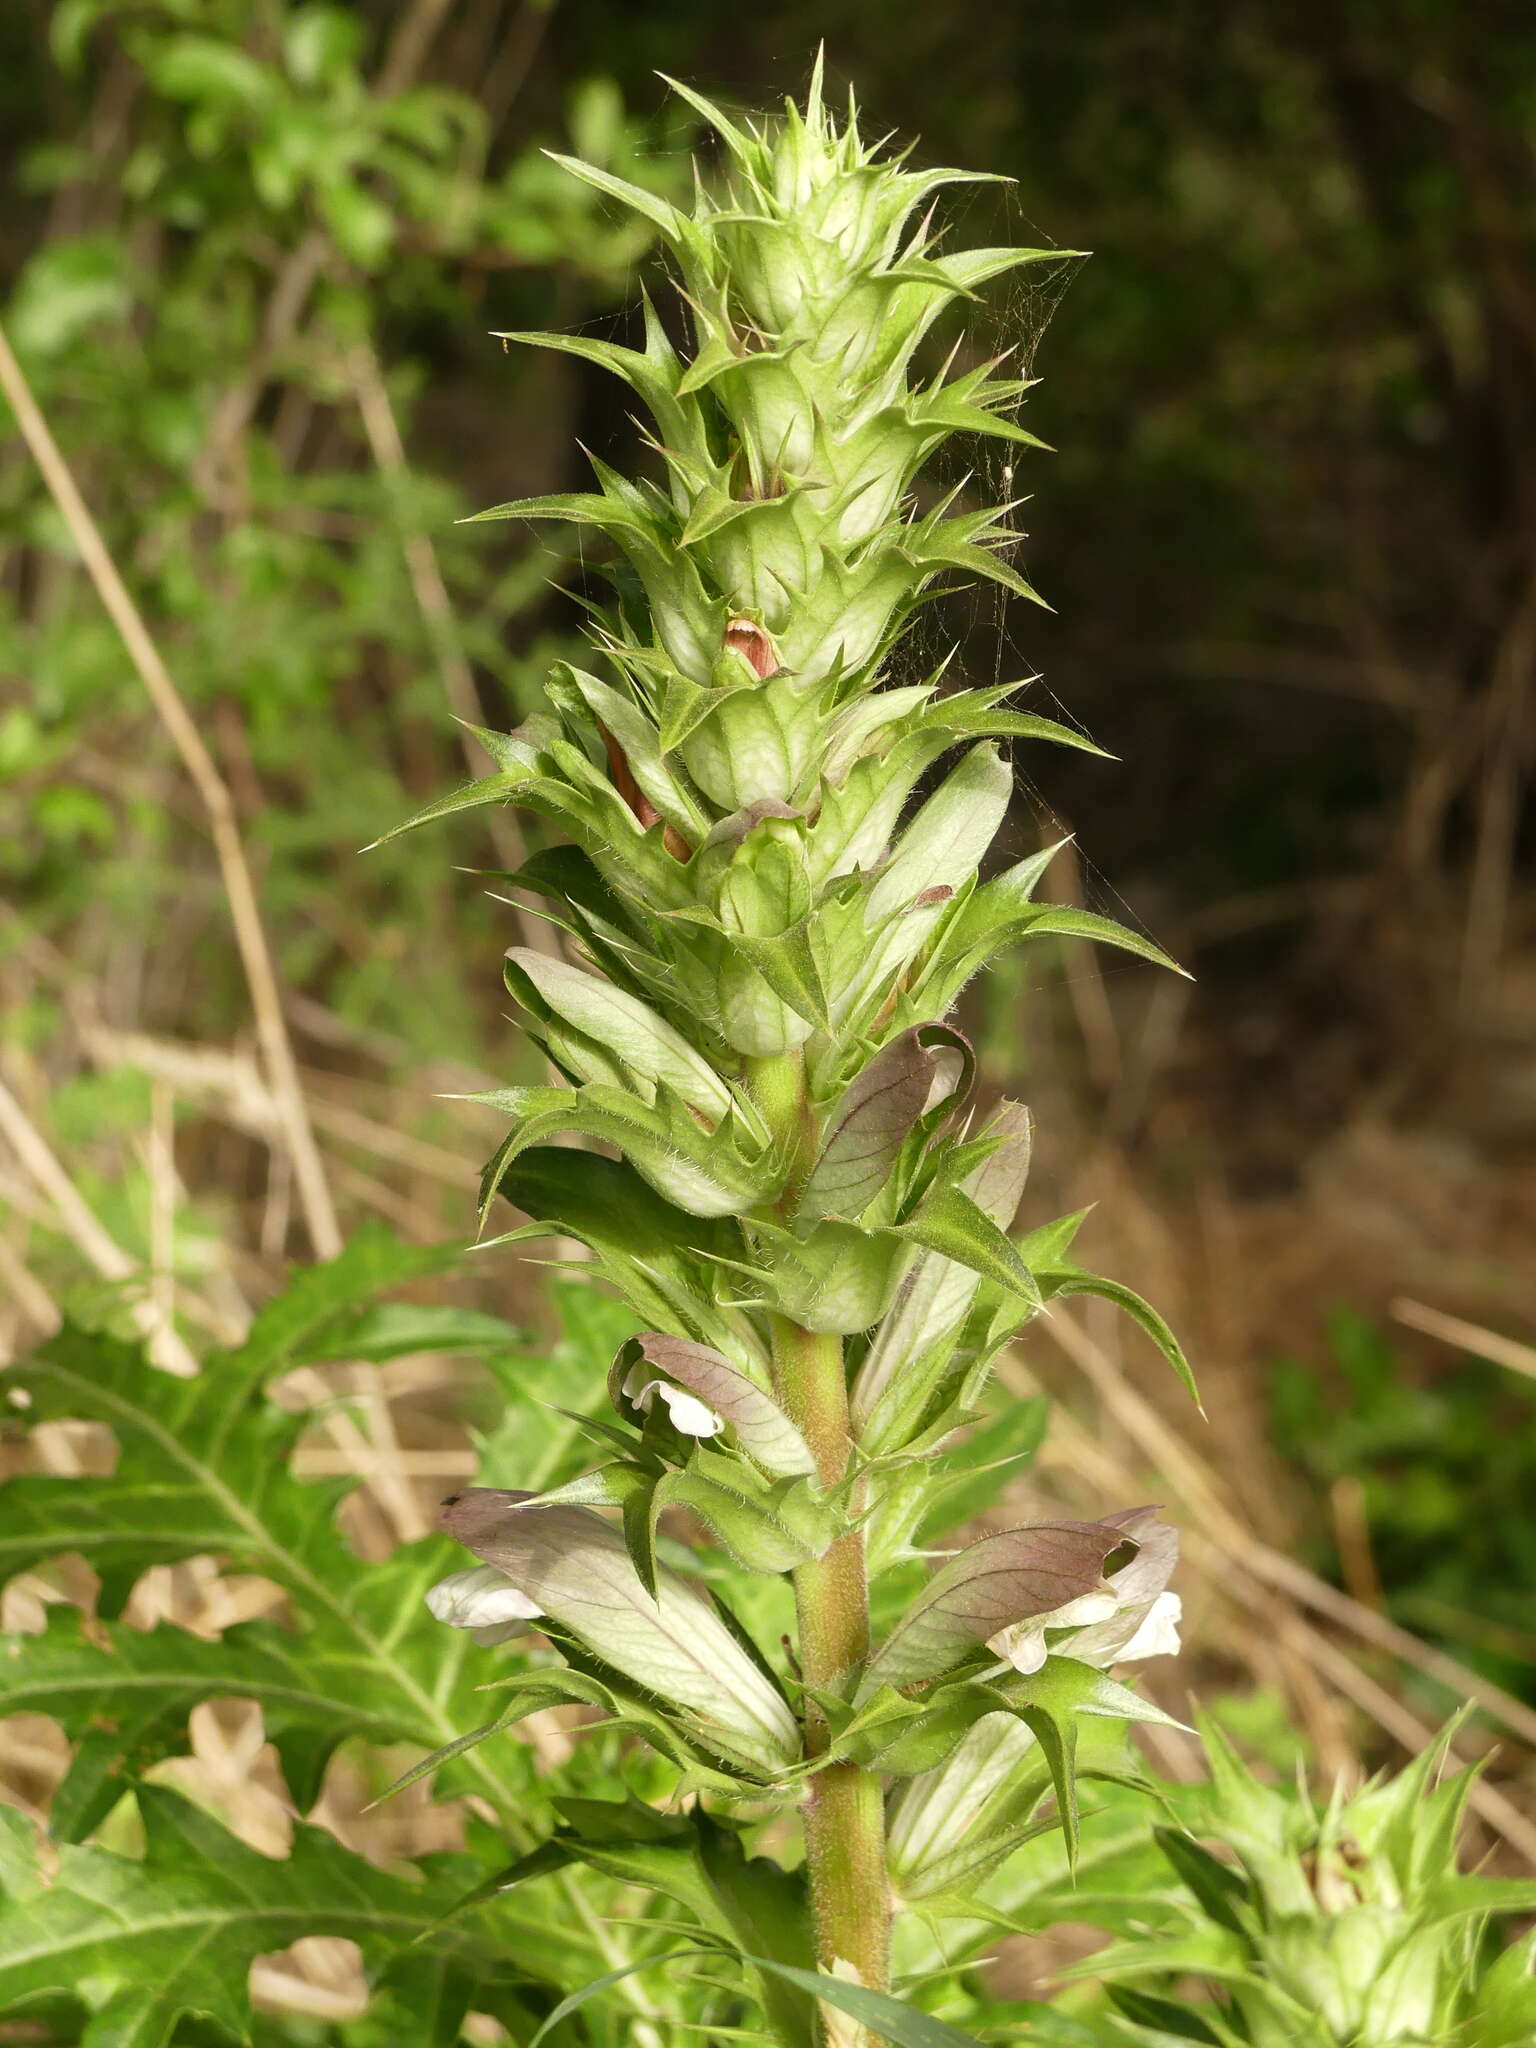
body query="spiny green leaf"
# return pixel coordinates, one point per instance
(1462, 1897)
(645, 376)
(968, 268)
(490, 789)
(124, 1695)
(1064, 920)
(1055, 1280)
(145, 1943)
(714, 509)
(1215, 1884)
(949, 1221)
(333, 1305)
(702, 1171)
(659, 212)
(743, 147)
(1162, 2015)
(1056, 1734)
(202, 1469)
(947, 544)
(403, 1329)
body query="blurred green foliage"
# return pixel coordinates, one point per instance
(1446, 1471)
(244, 231)
(1282, 536)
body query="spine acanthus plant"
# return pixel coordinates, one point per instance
(766, 928)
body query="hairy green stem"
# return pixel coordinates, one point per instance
(844, 1816)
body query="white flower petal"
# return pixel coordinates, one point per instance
(1137, 1587)
(480, 1598)
(1022, 1645)
(1158, 1635)
(689, 1414)
(1089, 1607)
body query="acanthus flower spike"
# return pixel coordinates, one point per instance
(770, 881)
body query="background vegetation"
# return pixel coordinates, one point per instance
(251, 258)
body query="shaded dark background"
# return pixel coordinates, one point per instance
(1289, 535)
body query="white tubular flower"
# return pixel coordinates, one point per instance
(483, 1600)
(1145, 1618)
(690, 1415)
(1158, 1635)
(1132, 1617)
(1023, 1645)
(1116, 1628)
(705, 1395)
(937, 1817)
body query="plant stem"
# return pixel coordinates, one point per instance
(844, 1816)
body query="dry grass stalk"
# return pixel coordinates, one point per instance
(250, 936)
(100, 1249)
(1464, 1336)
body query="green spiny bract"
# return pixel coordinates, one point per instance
(756, 905)
(1346, 1926)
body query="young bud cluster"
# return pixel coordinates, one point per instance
(1341, 1926)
